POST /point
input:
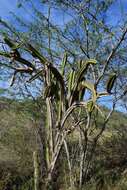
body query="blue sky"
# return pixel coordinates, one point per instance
(6, 6)
(114, 13)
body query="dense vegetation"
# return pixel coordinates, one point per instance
(18, 141)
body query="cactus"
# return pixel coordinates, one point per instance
(65, 96)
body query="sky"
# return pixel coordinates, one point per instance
(6, 6)
(115, 12)
(113, 15)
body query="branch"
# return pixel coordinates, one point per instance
(19, 59)
(112, 53)
(70, 109)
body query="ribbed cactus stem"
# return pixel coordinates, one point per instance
(36, 170)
